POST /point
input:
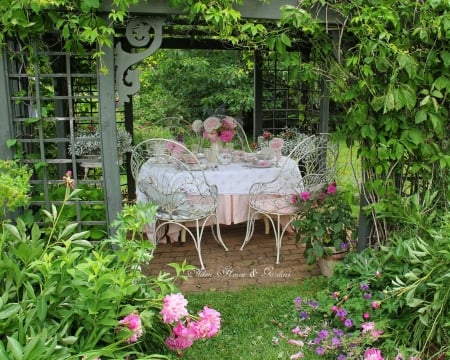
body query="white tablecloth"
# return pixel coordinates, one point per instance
(233, 183)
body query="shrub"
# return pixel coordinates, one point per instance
(66, 298)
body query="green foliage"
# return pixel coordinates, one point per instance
(412, 273)
(14, 186)
(180, 83)
(326, 223)
(63, 297)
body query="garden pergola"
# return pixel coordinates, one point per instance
(44, 98)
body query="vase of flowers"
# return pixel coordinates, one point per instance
(218, 131)
(325, 223)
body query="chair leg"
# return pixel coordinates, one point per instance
(250, 228)
(266, 226)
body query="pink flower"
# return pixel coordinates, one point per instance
(298, 355)
(226, 135)
(133, 322)
(209, 323)
(375, 304)
(68, 179)
(373, 354)
(367, 326)
(211, 124)
(175, 149)
(366, 316)
(296, 342)
(178, 343)
(174, 308)
(305, 195)
(294, 199)
(276, 144)
(229, 123)
(331, 189)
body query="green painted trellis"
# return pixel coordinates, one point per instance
(43, 104)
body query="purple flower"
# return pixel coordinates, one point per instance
(298, 300)
(364, 287)
(348, 323)
(323, 334)
(367, 295)
(341, 357)
(304, 315)
(314, 304)
(341, 312)
(320, 350)
(336, 342)
(338, 332)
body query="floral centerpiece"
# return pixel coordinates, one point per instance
(219, 130)
(326, 223)
(87, 142)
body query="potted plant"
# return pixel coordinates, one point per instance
(325, 224)
(87, 142)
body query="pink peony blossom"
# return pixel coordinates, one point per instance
(373, 354)
(276, 144)
(209, 323)
(211, 124)
(133, 322)
(174, 308)
(375, 304)
(229, 123)
(179, 342)
(226, 135)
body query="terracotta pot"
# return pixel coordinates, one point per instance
(327, 263)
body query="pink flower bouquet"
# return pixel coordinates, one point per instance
(215, 129)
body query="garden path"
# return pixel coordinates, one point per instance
(231, 270)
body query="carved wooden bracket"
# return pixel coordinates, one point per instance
(138, 36)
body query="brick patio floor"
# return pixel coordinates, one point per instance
(233, 269)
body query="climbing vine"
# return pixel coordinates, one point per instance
(387, 64)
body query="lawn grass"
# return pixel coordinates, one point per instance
(250, 320)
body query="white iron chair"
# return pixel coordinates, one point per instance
(316, 158)
(170, 176)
